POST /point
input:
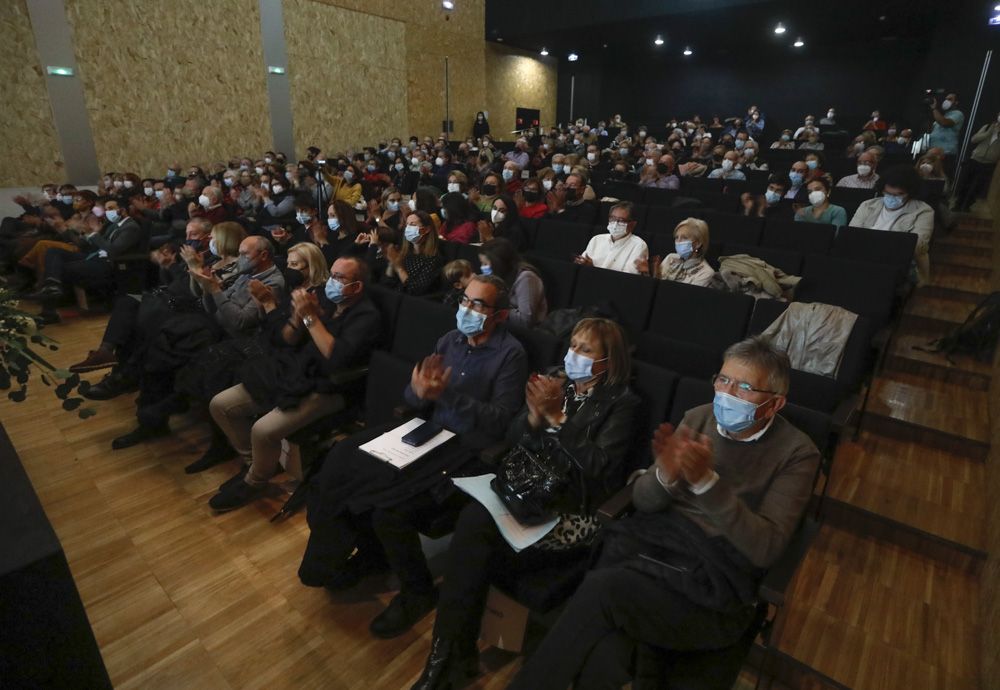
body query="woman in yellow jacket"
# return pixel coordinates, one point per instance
(346, 184)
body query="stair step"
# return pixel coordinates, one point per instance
(954, 240)
(940, 414)
(861, 610)
(975, 262)
(962, 370)
(935, 313)
(963, 232)
(918, 489)
(941, 247)
(960, 279)
(956, 290)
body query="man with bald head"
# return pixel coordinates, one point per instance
(866, 178)
(210, 206)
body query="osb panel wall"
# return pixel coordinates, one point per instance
(28, 134)
(515, 79)
(431, 34)
(182, 81)
(347, 74)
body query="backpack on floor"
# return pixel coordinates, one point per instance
(977, 336)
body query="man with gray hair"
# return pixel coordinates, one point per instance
(716, 509)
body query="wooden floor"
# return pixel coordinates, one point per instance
(181, 598)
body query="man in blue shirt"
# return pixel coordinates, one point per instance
(473, 385)
(948, 121)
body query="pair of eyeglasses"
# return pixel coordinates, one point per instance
(464, 301)
(723, 381)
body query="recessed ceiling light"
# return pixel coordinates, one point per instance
(544, 52)
(659, 41)
(688, 51)
(780, 28)
(499, 39)
(799, 43)
(572, 57)
(448, 4)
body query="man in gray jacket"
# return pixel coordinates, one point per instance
(717, 508)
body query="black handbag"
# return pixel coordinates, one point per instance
(531, 482)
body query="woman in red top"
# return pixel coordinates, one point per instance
(531, 201)
(458, 218)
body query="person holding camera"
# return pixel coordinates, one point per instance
(948, 121)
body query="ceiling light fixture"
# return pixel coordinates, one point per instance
(780, 28)
(448, 4)
(572, 57)
(659, 41)
(799, 43)
(544, 52)
(688, 51)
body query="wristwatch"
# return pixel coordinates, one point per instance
(308, 321)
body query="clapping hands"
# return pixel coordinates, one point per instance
(682, 454)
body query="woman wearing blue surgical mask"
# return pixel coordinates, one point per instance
(590, 411)
(342, 230)
(820, 210)
(686, 264)
(897, 211)
(389, 211)
(415, 265)
(345, 184)
(528, 306)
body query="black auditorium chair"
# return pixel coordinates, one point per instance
(388, 303)
(541, 347)
(707, 317)
(864, 288)
(652, 196)
(893, 249)
(626, 191)
(808, 238)
(663, 220)
(850, 199)
(787, 260)
(562, 240)
(682, 356)
(726, 228)
(420, 324)
(630, 295)
(655, 387)
(559, 278)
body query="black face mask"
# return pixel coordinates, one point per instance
(570, 194)
(617, 174)
(530, 195)
(489, 189)
(662, 168)
(293, 279)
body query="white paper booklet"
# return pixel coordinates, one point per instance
(517, 535)
(390, 447)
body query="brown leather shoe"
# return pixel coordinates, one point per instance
(96, 359)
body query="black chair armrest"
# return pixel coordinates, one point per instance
(775, 584)
(617, 506)
(842, 414)
(349, 375)
(491, 455)
(403, 412)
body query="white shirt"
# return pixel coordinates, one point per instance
(886, 218)
(616, 256)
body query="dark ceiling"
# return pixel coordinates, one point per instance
(742, 29)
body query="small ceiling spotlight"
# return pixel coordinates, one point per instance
(780, 28)
(572, 57)
(448, 4)
(688, 51)
(545, 51)
(659, 41)
(799, 43)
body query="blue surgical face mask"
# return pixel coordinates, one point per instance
(112, 215)
(578, 367)
(734, 414)
(470, 323)
(796, 178)
(303, 218)
(334, 290)
(486, 270)
(812, 164)
(739, 144)
(244, 265)
(412, 233)
(333, 223)
(507, 175)
(772, 196)
(393, 206)
(684, 248)
(213, 247)
(557, 168)
(891, 201)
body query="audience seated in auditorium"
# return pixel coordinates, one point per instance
(528, 305)
(727, 169)
(866, 177)
(662, 175)
(457, 275)
(618, 249)
(820, 210)
(897, 210)
(415, 264)
(472, 385)
(727, 489)
(504, 221)
(686, 264)
(589, 408)
(310, 340)
(569, 203)
(533, 198)
(458, 219)
(772, 203)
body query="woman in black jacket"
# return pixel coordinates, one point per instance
(481, 127)
(591, 413)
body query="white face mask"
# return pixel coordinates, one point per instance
(128, 184)
(817, 197)
(497, 216)
(547, 184)
(926, 168)
(617, 229)
(277, 189)
(268, 159)
(439, 161)
(650, 162)
(864, 170)
(259, 171)
(454, 187)
(159, 193)
(148, 191)
(727, 165)
(412, 203)
(829, 114)
(591, 157)
(946, 104)
(117, 184)
(204, 201)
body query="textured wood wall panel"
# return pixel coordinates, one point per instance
(515, 79)
(28, 135)
(347, 73)
(166, 82)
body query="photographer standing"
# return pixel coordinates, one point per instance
(948, 121)
(979, 167)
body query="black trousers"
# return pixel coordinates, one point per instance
(478, 549)
(591, 645)
(73, 268)
(121, 331)
(975, 183)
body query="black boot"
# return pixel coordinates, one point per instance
(111, 386)
(447, 667)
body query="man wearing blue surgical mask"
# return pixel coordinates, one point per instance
(726, 489)
(897, 211)
(473, 385)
